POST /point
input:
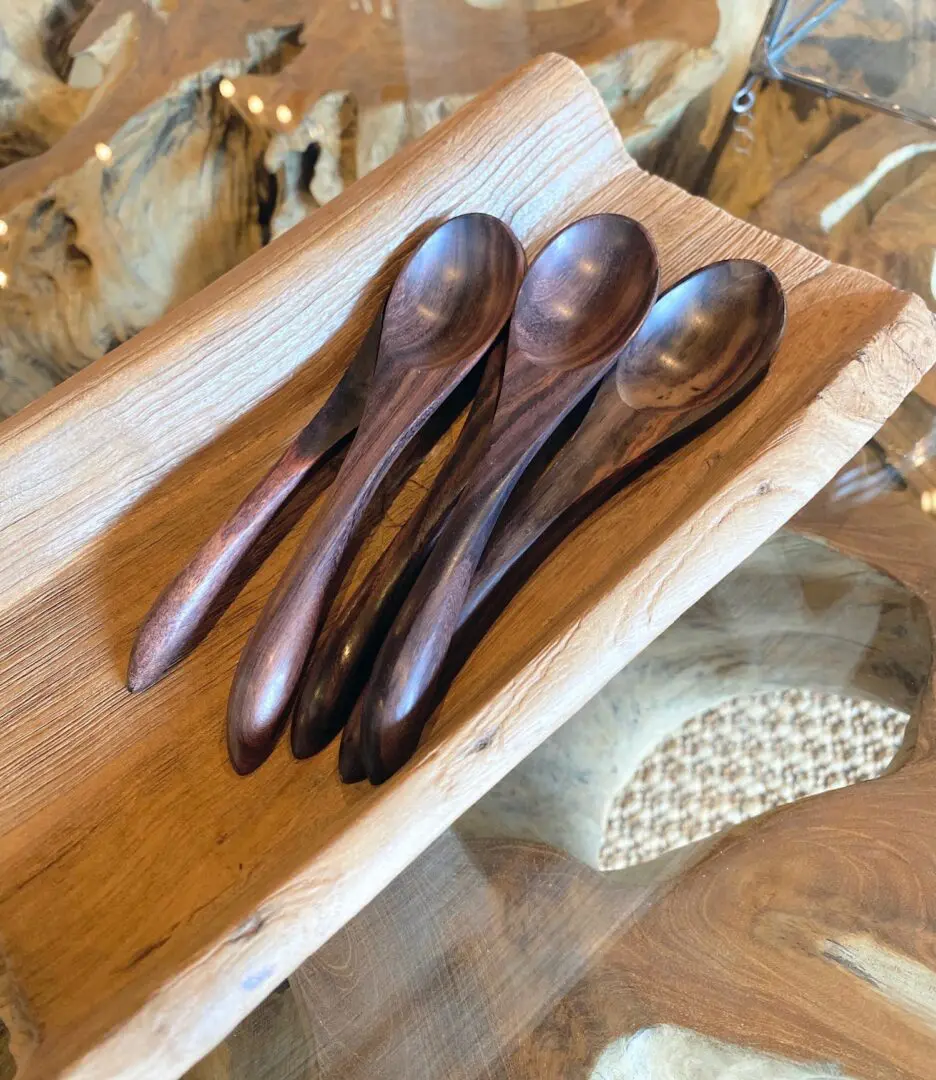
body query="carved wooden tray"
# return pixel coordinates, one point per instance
(149, 898)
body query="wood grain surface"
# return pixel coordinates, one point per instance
(175, 895)
(795, 946)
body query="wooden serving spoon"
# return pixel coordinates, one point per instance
(445, 309)
(342, 658)
(177, 620)
(584, 296)
(717, 330)
(704, 346)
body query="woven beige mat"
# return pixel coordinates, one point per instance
(745, 758)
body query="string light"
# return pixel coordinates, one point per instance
(255, 104)
(4, 228)
(104, 153)
(284, 114)
(226, 88)
(3, 279)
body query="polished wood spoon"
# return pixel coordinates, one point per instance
(342, 658)
(707, 342)
(585, 295)
(179, 618)
(445, 309)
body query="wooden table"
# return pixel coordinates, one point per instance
(798, 943)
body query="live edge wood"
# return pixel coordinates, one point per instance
(149, 898)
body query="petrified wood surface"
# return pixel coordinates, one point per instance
(114, 479)
(193, 182)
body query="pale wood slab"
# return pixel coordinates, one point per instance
(173, 895)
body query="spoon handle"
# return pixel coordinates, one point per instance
(350, 763)
(176, 622)
(183, 612)
(342, 658)
(397, 699)
(395, 703)
(610, 445)
(610, 441)
(271, 663)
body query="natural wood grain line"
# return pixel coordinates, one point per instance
(176, 895)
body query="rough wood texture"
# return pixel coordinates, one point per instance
(94, 254)
(796, 946)
(794, 615)
(553, 970)
(176, 895)
(428, 48)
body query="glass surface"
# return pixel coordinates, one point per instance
(879, 51)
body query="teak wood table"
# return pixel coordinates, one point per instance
(150, 898)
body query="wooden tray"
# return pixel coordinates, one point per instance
(149, 898)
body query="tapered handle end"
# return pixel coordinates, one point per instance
(400, 696)
(148, 662)
(320, 709)
(261, 695)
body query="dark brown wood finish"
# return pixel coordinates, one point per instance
(445, 309)
(350, 760)
(724, 321)
(707, 342)
(583, 298)
(343, 656)
(182, 613)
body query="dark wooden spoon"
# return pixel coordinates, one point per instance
(176, 622)
(583, 298)
(342, 658)
(445, 309)
(726, 319)
(706, 343)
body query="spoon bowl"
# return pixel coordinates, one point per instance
(437, 305)
(585, 295)
(699, 335)
(574, 299)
